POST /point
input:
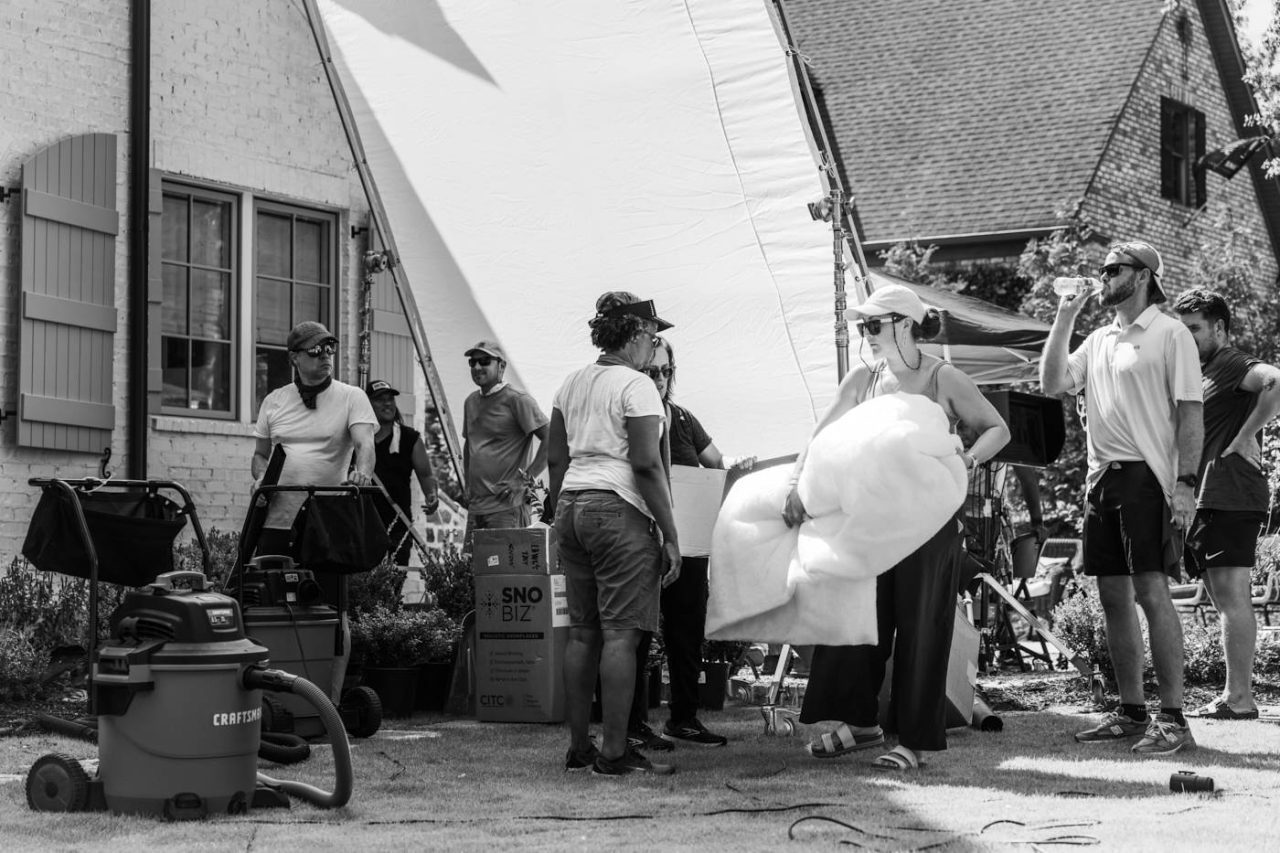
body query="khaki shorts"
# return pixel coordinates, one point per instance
(610, 557)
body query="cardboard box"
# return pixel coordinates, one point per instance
(522, 623)
(696, 494)
(513, 551)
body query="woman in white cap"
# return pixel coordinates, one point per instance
(916, 599)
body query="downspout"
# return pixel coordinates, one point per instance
(139, 232)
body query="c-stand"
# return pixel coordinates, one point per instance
(986, 517)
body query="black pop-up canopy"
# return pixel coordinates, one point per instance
(989, 343)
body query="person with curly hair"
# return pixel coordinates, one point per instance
(610, 502)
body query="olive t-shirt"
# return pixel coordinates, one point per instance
(1231, 482)
(498, 428)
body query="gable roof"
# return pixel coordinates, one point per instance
(971, 118)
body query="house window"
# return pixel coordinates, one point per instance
(1181, 147)
(198, 254)
(294, 262)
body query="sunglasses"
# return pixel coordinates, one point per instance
(1113, 270)
(320, 349)
(482, 361)
(654, 372)
(873, 325)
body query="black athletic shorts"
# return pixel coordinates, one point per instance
(1127, 528)
(1222, 537)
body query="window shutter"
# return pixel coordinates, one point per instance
(68, 313)
(392, 345)
(1197, 169)
(155, 291)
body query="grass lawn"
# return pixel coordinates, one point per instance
(440, 783)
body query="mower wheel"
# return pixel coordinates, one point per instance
(57, 783)
(363, 711)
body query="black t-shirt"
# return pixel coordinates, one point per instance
(688, 438)
(1230, 483)
(393, 469)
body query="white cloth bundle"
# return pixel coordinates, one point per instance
(878, 483)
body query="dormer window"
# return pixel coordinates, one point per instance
(1181, 147)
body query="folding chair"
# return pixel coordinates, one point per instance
(1267, 597)
(1192, 598)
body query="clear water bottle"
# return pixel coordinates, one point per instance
(1076, 286)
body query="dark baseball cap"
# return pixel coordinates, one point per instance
(380, 386)
(307, 334)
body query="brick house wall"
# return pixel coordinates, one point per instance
(66, 73)
(240, 102)
(1124, 200)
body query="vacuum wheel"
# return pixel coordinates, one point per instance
(57, 783)
(364, 711)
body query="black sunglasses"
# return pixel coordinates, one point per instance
(1113, 270)
(320, 349)
(873, 325)
(483, 361)
(654, 372)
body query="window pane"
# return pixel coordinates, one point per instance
(173, 364)
(173, 244)
(211, 234)
(274, 244)
(210, 304)
(273, 312)
(310, 303)
(173, 312)
(312, 258)
(271, 370)
(210, 376)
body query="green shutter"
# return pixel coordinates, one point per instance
(68, 311)
(155, 292)
(392, 345)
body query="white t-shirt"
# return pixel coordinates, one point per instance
(595, 403)
(317, 442)
(1133, 379)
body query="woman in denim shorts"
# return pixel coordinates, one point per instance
(614, 524)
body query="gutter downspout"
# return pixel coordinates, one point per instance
(139, 234)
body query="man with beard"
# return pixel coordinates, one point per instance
(1241, 396)
(1141, 379)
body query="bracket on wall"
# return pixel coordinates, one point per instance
(357, 230)
(7, 193)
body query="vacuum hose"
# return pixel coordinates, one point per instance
(257, 678)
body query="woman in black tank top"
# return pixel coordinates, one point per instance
(916, 599)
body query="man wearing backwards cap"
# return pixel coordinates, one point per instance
(1141, 379)
(499, 423)
(320, 422)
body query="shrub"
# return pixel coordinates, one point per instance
(449, 579)
(401, 638)
(1202, 653)
(22, 667)
(1079, 621)
(224, 553)
(379, 589)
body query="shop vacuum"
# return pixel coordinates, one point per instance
(178, 689)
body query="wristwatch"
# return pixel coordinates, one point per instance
(1191, 480)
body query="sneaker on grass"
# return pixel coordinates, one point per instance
(631, 761)
(575, 760)
(1114, 726)
(692, 731)
(646, 738)
(1165, 737)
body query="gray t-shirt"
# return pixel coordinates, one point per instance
(498, 429)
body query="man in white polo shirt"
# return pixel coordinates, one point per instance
(1141, 379)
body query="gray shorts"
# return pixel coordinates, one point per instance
(610, 557)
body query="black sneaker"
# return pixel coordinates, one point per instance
(692, 731)
(646, 738)
(630, 762)
(583, 760)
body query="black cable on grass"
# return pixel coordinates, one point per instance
(768, 809)
(791, 829)
(400, 768)
(1079, 795)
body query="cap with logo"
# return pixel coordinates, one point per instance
(380, 386)
(1147, 256)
